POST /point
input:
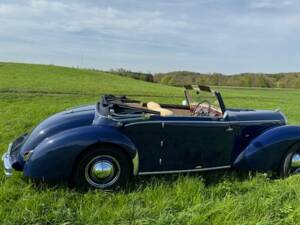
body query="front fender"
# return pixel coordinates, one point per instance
(54, 157)
(265, 152)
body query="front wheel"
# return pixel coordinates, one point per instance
(105, 167)
(291, 162)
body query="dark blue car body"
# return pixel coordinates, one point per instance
(241, 138)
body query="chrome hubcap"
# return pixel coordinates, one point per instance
(102, 171)
(295, 163)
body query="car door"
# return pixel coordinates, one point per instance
(146, 135)
(196, 143)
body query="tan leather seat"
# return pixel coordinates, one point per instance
(156, 107)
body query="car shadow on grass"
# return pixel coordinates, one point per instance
(139, 183)
(208, 178)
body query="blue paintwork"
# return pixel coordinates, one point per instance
(265, 152)
(54, 156)
(245, 139)
(62, 121)
(253, 115)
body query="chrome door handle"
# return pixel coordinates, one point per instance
(229, 129)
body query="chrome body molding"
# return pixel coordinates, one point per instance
(284, 117)
(185, 171)
(8, 170)
(135, 164)
(223, 122)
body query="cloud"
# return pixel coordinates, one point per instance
(202, 35)
(262, 4)
(78, 17)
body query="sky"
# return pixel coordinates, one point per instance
(226, 36)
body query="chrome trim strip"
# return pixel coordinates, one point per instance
(135, 164)
(173, 121)
(9, 148)
(8, 170)
(284, 117)
(185, 171)
(202, 122)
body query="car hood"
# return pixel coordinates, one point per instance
(255, 115)
(71, 118)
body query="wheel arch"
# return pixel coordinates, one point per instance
(266, 152)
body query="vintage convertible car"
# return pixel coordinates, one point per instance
(103, 146)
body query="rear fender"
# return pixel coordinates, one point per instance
(54, 157)
(265, 152)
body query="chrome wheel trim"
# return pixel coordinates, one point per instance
(102, 171)
(295, 163)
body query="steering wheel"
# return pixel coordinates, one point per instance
(199, 110)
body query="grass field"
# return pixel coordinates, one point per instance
(30, 93)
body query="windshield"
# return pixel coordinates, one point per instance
(204, 99)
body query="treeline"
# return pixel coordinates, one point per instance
(135, 75)
(180, 78)
(280, 80)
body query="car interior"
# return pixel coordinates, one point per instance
(200, 101)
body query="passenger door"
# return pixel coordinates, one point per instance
(196, 144)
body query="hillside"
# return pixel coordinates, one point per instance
(30, 93)
(277, 80)
(64, 80)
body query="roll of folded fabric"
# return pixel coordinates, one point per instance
(156, 107)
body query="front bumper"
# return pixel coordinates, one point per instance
(11, 158)
(7, 164)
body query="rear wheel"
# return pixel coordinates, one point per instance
(291, 162)
(105, 167)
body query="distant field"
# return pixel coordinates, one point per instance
(29, 93)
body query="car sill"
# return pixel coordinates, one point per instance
(185, 171)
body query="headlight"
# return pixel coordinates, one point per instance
(27, 155)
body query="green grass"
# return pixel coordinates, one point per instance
(30, 93)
